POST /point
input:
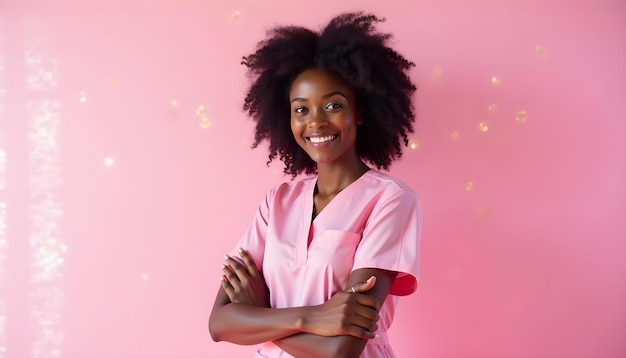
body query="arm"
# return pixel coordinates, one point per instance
(240, 314)
(311, 345)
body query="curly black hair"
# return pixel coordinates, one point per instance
(351, 48)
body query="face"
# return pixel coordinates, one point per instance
(324, 117)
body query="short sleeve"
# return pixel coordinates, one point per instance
(253, 240)
(391, 240)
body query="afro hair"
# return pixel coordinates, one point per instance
(351, 48)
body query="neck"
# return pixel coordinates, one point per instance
(331, 179)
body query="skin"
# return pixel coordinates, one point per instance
(323, 106)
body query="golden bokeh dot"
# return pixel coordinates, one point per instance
(540, 51)
(469, 185)
(520, 116)
(493, 108)
(413, 144)
(201, 111)
(203, 116)
(495, 81)
(174, 109)
(205, 123)
(109, 161)
(454, 135)
(483, 126)
(236, 14)
(83, 96)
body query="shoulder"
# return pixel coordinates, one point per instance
(291, 189)
(389, 187)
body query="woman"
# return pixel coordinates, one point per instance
(319, 271)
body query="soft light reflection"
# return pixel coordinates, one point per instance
(46, 209)
(174, 109)
(3, 167)
(483, 126)
(495, 81)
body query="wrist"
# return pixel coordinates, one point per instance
(301, 319)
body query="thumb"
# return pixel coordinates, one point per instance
(365, 286)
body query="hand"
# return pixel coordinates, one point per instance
(244, 283)
(348, 312)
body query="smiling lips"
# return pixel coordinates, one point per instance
(322, 139)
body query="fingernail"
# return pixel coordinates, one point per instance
(221, 278)
(226, 257)
(369, 279)
(240, 250)
(223, 267)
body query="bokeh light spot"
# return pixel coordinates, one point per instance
(205, 123)
(540, 51)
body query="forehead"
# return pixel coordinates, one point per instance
(314, 82)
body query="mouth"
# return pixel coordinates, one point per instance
(322, 139)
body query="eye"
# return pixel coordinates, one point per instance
(332, 106)
(300, 109)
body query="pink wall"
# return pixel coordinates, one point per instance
(528, 261)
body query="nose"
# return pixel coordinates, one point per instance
(317, 119)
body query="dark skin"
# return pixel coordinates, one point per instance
(324, 122)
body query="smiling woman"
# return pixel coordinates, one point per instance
(319, 271)
(324, 118)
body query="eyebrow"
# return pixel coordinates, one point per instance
(327, 95)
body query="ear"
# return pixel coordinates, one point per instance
(359, 117)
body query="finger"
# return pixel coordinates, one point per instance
(367, 313)
(227, 288)
(250, 265)
(238, 269)
(365, 286)
(360, 332)
(230, 277)
(369, 303)
(366, 323)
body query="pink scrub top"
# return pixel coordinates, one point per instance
(375, 222)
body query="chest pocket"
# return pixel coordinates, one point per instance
(334, 250)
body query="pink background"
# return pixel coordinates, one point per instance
(523, 251)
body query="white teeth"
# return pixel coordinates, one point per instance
(321, 139)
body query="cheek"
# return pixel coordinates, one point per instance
(296, 129)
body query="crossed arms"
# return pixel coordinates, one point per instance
(340, 327)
